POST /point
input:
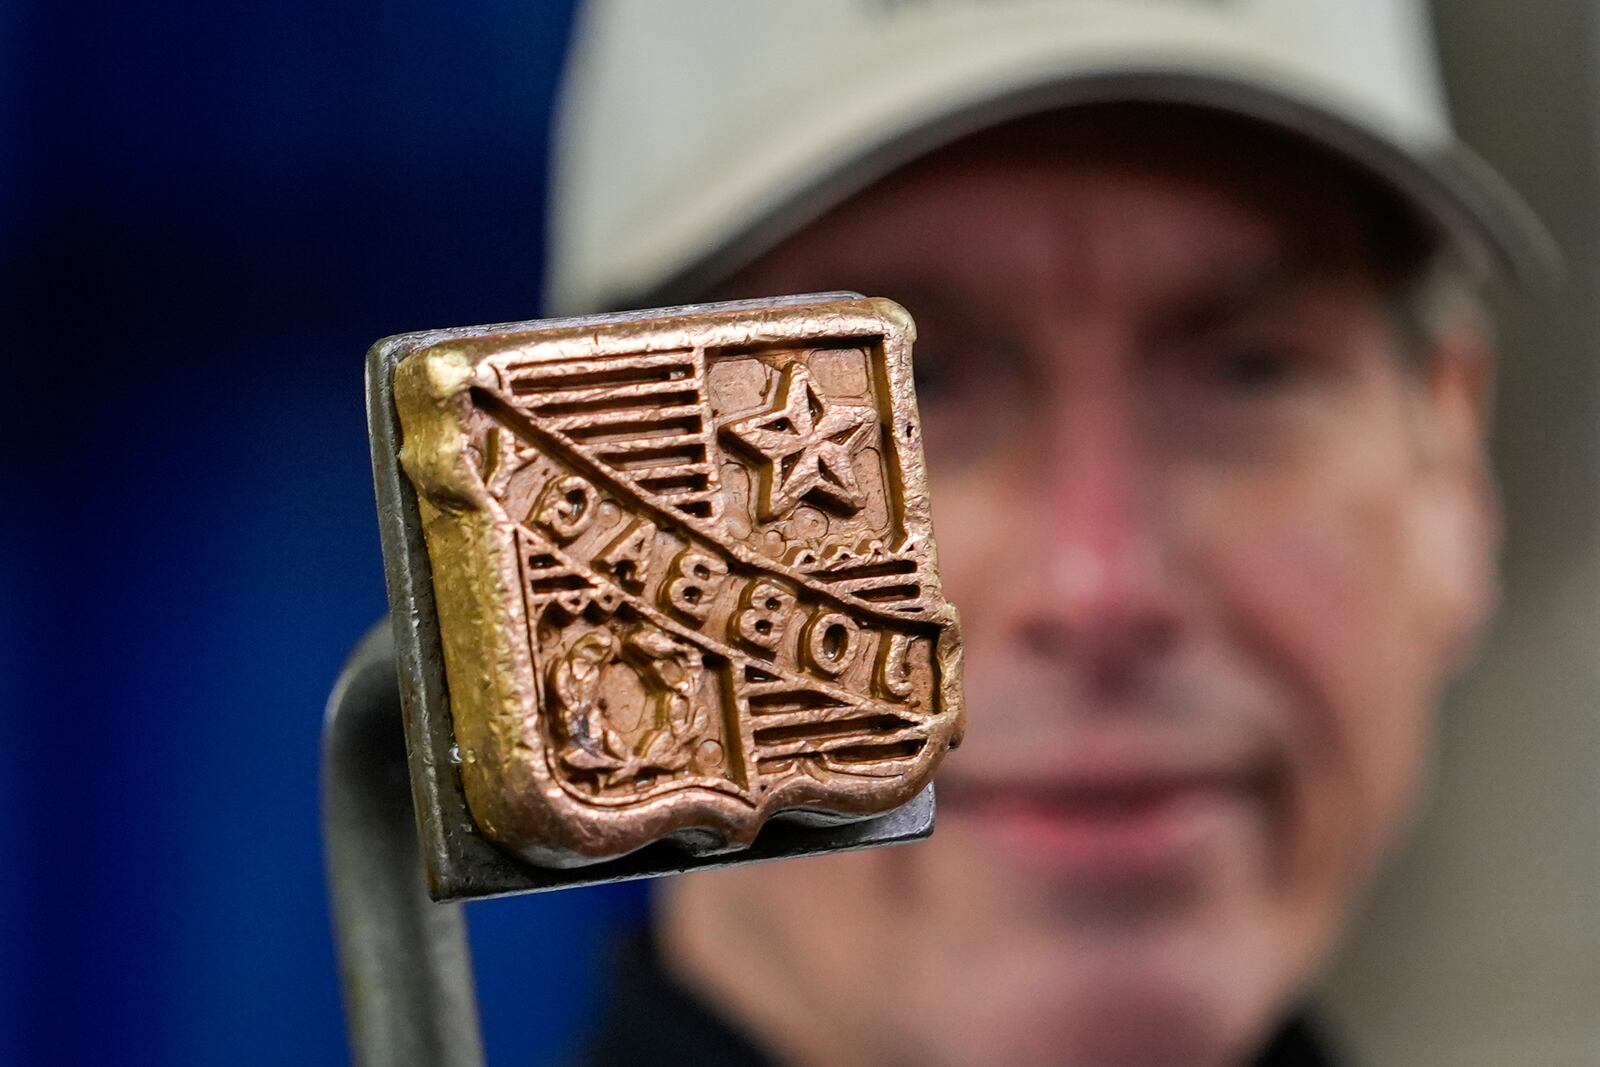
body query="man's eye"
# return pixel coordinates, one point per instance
(1231, 367)
(1252, 367)
(967, 375)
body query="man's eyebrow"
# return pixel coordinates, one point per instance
(1228, 293)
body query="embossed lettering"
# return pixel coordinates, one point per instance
(693, 583)
(764, 609)
(893, 674)
(830, 642)
(627, 557)
(567, 507)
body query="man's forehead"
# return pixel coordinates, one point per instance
(1021, 214)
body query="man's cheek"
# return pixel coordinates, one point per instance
(970, 524)
(1308, 589)
(1308, 573)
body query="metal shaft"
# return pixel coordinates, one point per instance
(404, 962)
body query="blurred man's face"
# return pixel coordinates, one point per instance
(1216, 531)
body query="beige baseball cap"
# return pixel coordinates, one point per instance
(695, 134)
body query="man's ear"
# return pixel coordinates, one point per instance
(1460, 370)
(1460, 398)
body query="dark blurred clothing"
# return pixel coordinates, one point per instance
(650, 1020)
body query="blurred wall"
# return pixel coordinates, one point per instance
(1483, 947)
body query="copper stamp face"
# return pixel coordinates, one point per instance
(684, 573)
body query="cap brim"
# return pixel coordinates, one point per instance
(1452, 189)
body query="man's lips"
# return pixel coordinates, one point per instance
(1106, 830)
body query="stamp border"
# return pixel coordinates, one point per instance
(458, 861)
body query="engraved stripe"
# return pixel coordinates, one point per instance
(894, 750)
(529, 378)
(700, 509)
(559, 583)
(867, 570)
(853, 741)
(650, 444)
(643, 415)
(879, 593)
(659, 475)
(635, 394)
(631, 423)
(681, 496)
(781, 695)
(775, 735)
(826, 720)
(542, 563)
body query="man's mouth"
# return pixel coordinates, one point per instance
(1104, 832)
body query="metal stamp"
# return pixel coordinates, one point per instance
(683, 571)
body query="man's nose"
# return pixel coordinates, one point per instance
(1105, 591)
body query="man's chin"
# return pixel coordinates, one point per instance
(1141, 1005)
(1111, 961)
(1149, 1028)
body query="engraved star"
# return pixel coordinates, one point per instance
(808, 444)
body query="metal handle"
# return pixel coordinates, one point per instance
(404, 962)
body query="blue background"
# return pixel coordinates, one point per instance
(209, 211)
